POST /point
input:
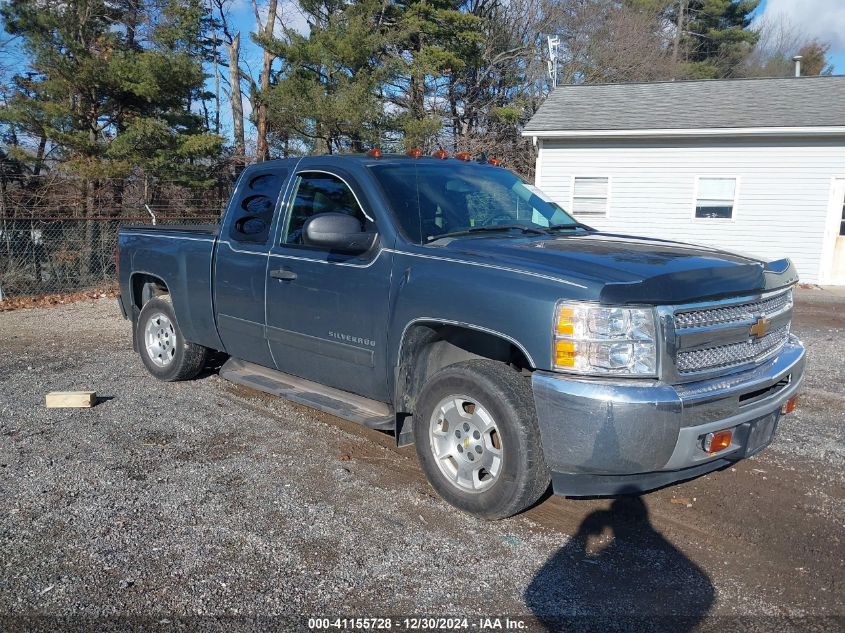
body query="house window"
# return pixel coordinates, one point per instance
(716, 198)
(589, 195)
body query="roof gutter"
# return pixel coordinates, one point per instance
(838, 130)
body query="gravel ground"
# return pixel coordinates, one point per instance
(206, 505)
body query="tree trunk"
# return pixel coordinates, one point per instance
(216, 47)
(417, 87)
(263, 148)
(235, 97)
(39, 155)
(456, 117)
(679, 27)
(88, 266)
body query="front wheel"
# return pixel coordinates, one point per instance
(477, 439)
(165, 352)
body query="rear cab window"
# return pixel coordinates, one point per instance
(254, 205)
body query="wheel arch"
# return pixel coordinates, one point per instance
(429, 345)
(144, 286)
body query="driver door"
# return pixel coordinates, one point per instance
(327, 311)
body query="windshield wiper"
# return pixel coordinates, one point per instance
(496, 227)
(573, 225)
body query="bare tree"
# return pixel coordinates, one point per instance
(780, 40)
(235, 96)
(232, 42)
(604, 41)
(266, 31)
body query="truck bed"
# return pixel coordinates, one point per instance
(180, 257)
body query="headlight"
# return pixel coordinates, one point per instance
(592, 339)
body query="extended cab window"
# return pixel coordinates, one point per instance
(252, 213)
(320, 193)
(433, 198)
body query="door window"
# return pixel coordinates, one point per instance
(252, 213)
(320, 193)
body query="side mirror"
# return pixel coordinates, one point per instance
(337, 232)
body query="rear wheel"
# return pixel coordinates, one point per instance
(165, 352)
(477, 439)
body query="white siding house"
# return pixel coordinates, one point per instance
(755, 166)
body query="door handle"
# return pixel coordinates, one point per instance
(283, 274)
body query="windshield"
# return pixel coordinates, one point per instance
(431, 199)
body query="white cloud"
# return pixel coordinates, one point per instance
(292, 17)
(817, 19)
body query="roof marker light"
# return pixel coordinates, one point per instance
(375, 153)
(415, 152)
(463, 156)
(441, 154)
(495, 162)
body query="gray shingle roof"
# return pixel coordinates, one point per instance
(732, 103)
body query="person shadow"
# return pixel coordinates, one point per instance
(618, 573)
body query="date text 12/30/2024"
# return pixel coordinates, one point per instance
(478, 623)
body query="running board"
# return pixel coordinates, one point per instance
(352, 407)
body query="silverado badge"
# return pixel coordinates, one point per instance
(760, 328)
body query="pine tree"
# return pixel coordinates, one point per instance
(110, 91)
(714, 36)
(328, 94)
(111, 85)
(433, 40)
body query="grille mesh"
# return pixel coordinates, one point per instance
(731, 354)
(731, 314)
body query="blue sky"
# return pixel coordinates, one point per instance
(820, 19)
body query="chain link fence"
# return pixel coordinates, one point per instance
(58, 234)
(49, 255)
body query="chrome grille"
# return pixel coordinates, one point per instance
(732, 314)
(707, 338)
(733, 354)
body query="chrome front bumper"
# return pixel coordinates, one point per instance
(605, 438)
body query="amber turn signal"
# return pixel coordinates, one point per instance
(789, 405)
(718, 441)
(565, 353)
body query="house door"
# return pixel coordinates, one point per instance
(837, 273)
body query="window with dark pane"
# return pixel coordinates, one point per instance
(715, 198)
(842, 223)
(253, 211)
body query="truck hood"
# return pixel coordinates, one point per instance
(628, 269)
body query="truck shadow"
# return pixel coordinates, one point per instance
(619, 573)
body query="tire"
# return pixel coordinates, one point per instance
(459, 414)
(164, 351)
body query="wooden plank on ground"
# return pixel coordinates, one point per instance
(65, 399)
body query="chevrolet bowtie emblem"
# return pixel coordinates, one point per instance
(760, 328)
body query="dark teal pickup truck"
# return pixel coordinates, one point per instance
(452, 304)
